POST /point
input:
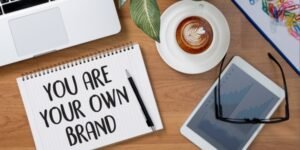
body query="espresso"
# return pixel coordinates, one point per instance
(194, 35)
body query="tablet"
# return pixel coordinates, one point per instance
(245, 93)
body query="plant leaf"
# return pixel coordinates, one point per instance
(121, 3)
(146, 15)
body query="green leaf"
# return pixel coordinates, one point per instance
(121, 3)
(146, 15)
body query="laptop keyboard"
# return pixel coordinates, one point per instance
(9, 6)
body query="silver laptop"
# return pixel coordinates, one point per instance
(29, 28)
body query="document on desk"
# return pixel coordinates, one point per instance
(279, 23)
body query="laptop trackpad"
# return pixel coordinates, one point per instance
(38, 33)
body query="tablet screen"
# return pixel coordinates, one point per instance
(241, 97)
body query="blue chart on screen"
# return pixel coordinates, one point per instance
(241, 97)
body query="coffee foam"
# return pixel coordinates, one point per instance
(194, 35)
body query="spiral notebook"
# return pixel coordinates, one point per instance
(88, 103)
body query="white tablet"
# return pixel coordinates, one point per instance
(245, 93)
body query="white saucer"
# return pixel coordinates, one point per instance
(178, 59)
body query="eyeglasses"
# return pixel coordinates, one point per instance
(219, 108)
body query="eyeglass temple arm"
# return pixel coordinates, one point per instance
(287, 111)
(219, 106)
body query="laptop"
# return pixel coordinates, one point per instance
(30, 28)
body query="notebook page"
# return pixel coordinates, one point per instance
(121, 120)
(143, 84)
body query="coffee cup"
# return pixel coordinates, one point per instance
(194, 36)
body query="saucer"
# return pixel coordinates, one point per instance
(177, 58)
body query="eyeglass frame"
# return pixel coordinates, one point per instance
(218, 105)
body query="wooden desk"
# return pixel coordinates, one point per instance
(177, 94)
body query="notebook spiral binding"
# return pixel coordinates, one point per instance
(100, 54)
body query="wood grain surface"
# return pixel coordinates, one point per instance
(176, 94)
